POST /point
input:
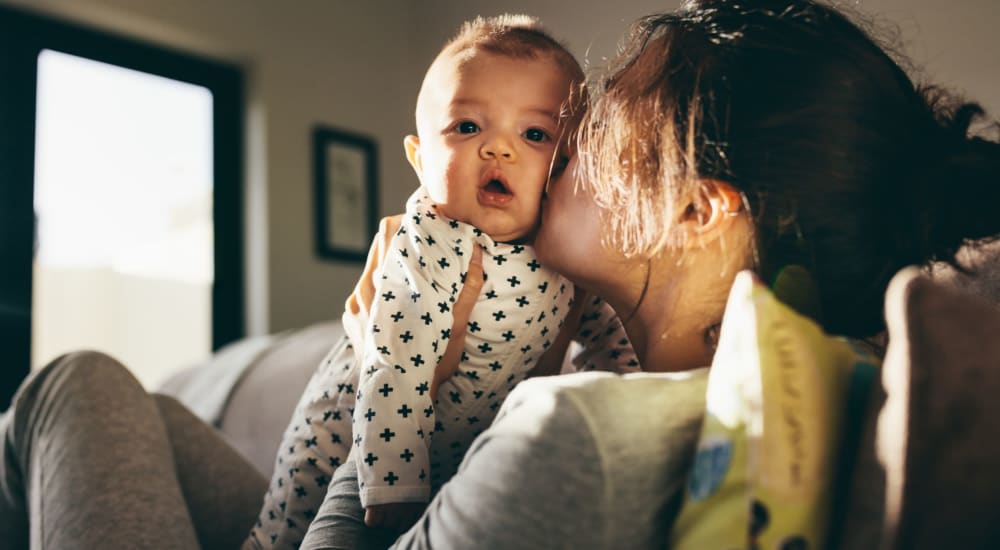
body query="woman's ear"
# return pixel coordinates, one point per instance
(411, 144)
(711, 212)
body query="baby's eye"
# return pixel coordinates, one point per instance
(535, 134)
(467, 127)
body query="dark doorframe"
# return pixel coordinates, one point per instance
(22, 37)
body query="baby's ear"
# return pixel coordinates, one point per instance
(411, 144)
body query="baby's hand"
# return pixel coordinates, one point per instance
(398, 516)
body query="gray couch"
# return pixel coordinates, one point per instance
(248, 389)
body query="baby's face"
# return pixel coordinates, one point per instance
(488, 129)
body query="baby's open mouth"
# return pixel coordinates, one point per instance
(494, 191)
(496, 186)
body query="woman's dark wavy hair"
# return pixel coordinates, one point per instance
(846, 167)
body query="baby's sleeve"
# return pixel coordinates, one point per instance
(601, 342)
(407, 332)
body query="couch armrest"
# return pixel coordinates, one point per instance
(262, 402)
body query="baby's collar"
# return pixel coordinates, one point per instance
(421, 203)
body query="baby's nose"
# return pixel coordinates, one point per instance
(497, 149)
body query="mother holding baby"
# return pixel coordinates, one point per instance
(727, 136)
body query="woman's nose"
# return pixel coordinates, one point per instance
(497, 148)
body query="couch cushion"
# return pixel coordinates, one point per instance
(205, 388)
(928, 476)
(262, 402)
(982, 276)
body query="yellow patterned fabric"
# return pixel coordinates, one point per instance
(776, 407)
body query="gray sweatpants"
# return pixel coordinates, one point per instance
(91, 460)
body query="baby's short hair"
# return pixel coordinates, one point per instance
(512, 35)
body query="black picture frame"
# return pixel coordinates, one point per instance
(345, 194)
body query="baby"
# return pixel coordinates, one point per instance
(489, 114)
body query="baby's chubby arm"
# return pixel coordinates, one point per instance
(360, 301)
(360, 304)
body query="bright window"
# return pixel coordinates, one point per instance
(123, 198)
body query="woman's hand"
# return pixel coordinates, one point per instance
(461, 310)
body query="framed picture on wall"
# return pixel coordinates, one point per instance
(345, 193)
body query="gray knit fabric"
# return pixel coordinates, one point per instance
(591, 460)
(97, 462)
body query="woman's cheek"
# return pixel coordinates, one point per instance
(569, 239)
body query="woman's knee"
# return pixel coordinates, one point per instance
(70, 391)
(90, 368)
(76, 375)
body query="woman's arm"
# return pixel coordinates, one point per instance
(534, 479)
(589, 460)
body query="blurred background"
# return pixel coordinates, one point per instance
(156, 172)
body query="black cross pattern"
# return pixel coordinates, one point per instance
(397, 394)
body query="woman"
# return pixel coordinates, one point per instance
(729, 136)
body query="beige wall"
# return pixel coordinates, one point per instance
(591, 28)
(953, 43)
(358, 65)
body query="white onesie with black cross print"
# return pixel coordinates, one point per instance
(380, 375)
(517, 316)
